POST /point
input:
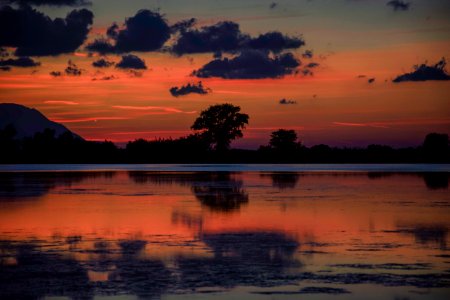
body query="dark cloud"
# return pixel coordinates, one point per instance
(35, 34)
(308, 54)
(227, 37)
(24, 62)
(72, 69)
(131, 61)
(4, 52)
(134, 73)
(371, 80)
(50, 2)
(398, 5)
(189, 89)
(5, 68)
(275, 41)
(113, 31)
(223, 36)
(286, 101)
(183, 25)
(102, 63)
(145, 31)
(102, 46)
(312, 65)
(273, 5)
(307, 72)
(424, 72)
(55, 73)
(250, 64)
(105, 78)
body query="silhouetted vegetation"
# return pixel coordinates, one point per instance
(215, 128)
(220, 124)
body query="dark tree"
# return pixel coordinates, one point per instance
(284, 140)
(436, 146)
(8, 145)
(220, 124)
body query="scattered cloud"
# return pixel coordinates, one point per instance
(55, 73)
(286, 101)
(24, 62)
(273, 5)
(102, 63)
(275, 41)
(312, 65)
(308, 54)
(3, 52)
(371, 80)
(189, 89)
(33, 33)
(183, 25)
(226, 36)
(399, 5)
(131, 61)
(105, 78)
(145, 31)
(425, 72)
(250, 64)
(72, 69)
(101, 45)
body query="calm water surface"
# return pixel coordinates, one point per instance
(249, 234)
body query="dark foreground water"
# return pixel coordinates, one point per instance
(333, 232)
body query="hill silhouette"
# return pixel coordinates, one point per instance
(28, 121)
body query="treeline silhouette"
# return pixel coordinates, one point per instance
(214, 130)
(45, 147)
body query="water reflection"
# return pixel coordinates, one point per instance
(151, 234)
(432, 180)
(20, 186)
(427, 234)
(220, 191)
(436, 180)
(286, 180)
(35, 274)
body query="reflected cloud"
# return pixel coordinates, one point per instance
(38, 274)
(242, 258)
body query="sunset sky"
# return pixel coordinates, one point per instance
(348, 99)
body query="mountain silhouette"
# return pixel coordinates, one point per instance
(28, 121)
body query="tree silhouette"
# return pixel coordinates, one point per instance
(220, 124)
(284, 140)
(436, 146)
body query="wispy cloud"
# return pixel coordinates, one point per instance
(61, 102)
(388, 124)
(154, 108)
(90, 119)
